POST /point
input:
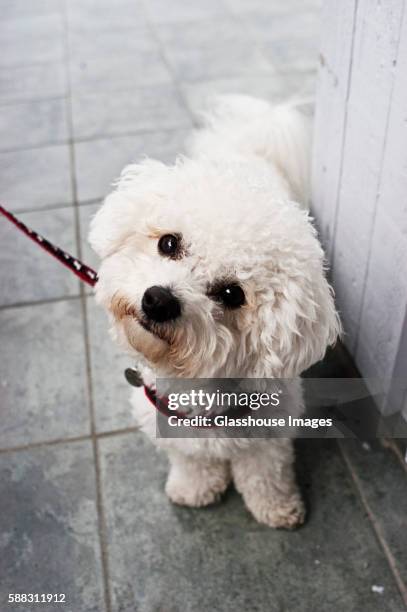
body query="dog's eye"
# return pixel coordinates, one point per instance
(232, 296)
(169, 245)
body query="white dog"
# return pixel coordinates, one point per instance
(212, 268)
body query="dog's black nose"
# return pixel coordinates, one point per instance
(160, 305)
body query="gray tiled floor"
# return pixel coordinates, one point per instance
(207, 50)
(100, 161)
(32, 124)
(99, 16)
(113, 41)
(87, 86)
(22, 178)
(97, 115)
(30, 39)
(43, 374)
(284, 571)
(40, 81)
(113, 73)
(49, 540)
(27, 274)
(110, 390)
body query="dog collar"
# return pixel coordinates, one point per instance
(135, 379)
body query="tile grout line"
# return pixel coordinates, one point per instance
(53, 206)
(174, 79)
(55, 442)
(20, 101)
(103, 136)
(117, 432)
(41, 302)
(102, 529)
(391, 561)
(34, 445)
(392, 446)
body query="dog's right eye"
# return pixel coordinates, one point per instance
(169, 245)
(230, 295)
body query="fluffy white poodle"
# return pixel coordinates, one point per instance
(212, 268)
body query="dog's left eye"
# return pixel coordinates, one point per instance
(169, 245)
(232, 296)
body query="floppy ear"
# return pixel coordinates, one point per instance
(121, 211)
(317, 327)
(299, 329)
(112, 224)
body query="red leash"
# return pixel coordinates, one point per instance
(86, 274)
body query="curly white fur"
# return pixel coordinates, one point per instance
(239, 201)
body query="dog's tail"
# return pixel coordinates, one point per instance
(280, 134)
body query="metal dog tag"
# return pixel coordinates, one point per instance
(133, 377)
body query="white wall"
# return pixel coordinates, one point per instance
(360, 176)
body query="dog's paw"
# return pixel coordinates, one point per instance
(196, 483)
(195, 495)
(280, 514)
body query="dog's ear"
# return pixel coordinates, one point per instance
(122, 211)
(318, 326)
(112, 224)
(297, 332)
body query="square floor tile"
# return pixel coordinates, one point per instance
(116, 113)
(100, 162)
(32, 39)
(27, 272)
(31, 124)
(333, 558)
(35, 178)
(49, 540)
(36, 82)
(111, 391)
(42, 373)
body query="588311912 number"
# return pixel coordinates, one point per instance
(36, 598)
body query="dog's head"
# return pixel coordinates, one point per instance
(209, 271)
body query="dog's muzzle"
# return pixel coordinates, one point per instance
(159, 304)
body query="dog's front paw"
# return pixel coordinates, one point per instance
(195, 496)
(197, 485)
(278, 513)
